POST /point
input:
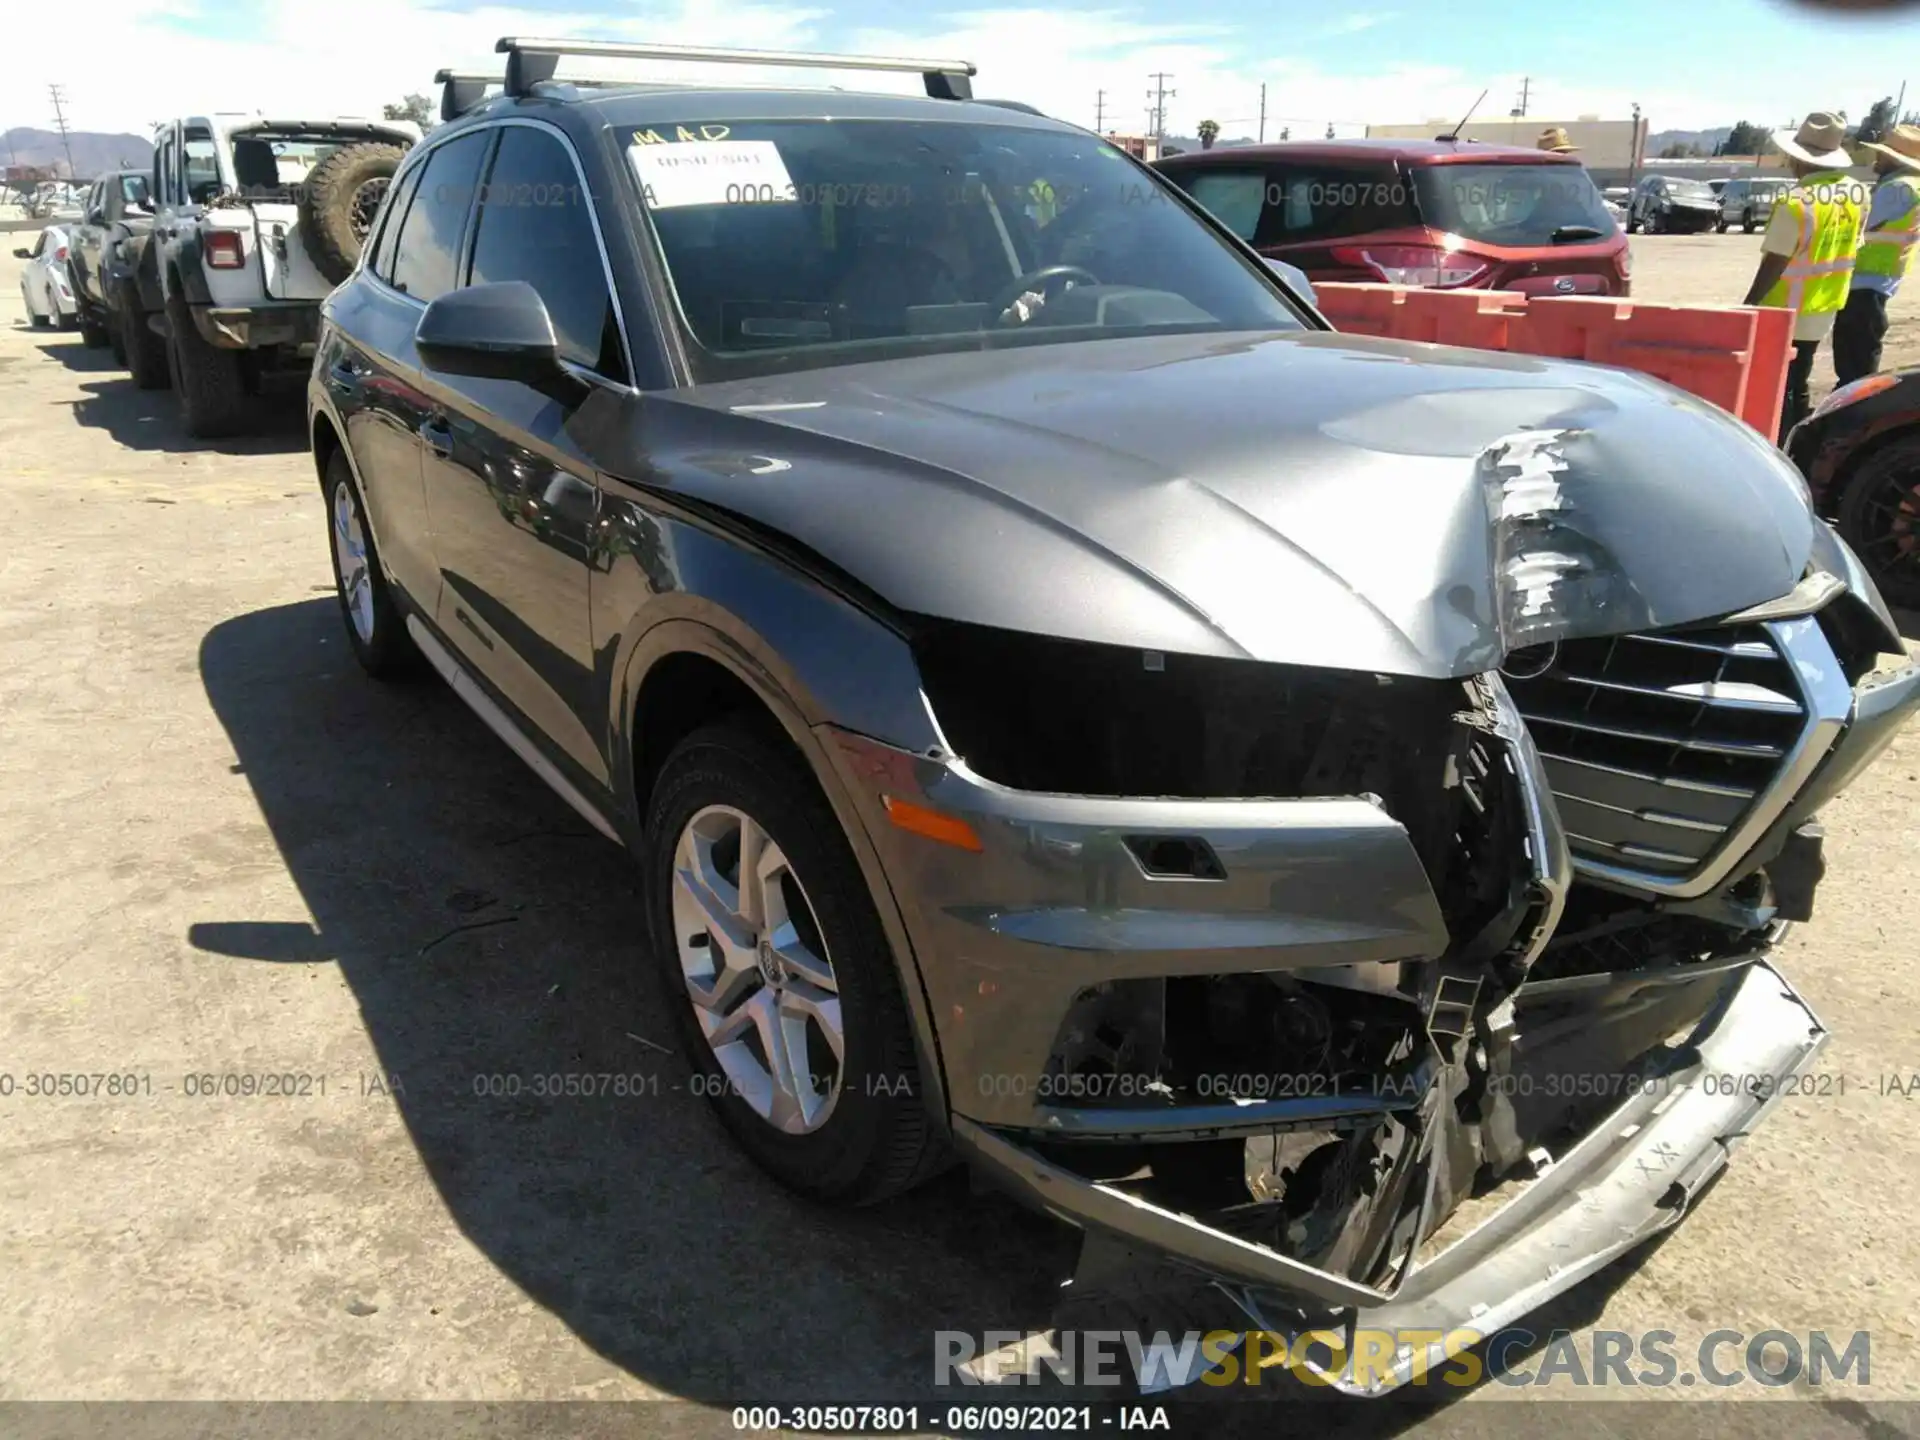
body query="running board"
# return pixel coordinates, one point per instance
(482, 704)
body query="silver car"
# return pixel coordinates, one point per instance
(1749, 203)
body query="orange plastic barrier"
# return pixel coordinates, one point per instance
(1734, 356)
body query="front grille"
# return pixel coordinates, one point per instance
(1657, 744)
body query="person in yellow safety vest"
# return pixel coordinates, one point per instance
(1886, 252)
(1807, 254)
(1042, 205)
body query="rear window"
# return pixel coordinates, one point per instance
(1289, 203)
(1517, 205)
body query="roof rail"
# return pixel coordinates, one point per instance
(460, 91)
(531, 61)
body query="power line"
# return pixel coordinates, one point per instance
(1159, 95)
(60, 123)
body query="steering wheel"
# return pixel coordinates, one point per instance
(1041, 280)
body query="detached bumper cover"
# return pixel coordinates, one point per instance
(1632, 1175)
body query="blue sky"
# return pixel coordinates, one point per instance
(1710, 62)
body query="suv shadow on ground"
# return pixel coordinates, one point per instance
(150, 419)
(486, 932)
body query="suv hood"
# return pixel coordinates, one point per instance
(1309, 498)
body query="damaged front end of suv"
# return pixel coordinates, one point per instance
(1388, 1001)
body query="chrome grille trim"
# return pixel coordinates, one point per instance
(1824, 701)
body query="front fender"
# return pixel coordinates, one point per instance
(820, 665)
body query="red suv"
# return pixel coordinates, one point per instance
(1440, 213)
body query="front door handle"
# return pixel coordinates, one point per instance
(344, 375)
(439, 437)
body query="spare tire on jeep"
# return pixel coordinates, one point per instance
(337, 205)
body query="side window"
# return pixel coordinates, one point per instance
(1326, 203)
(202, 167)
(536, 225)
(163, 169)
(1234, 197)
(426, 258)
(396, 211)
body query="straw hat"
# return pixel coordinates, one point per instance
(1820, 140)
(1902, 144)
(1554, 138)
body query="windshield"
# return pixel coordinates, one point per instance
(1512, 204)
(1693, 189)
(797, 243)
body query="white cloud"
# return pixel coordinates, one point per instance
(351, 56)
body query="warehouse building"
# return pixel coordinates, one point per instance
(1613, 150)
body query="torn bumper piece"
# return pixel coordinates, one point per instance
(1630, 1176)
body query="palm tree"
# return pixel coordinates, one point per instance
(1209, 132)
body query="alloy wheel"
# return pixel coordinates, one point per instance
(757, 970)
(350, 550)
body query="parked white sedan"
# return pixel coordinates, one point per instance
(44, 287)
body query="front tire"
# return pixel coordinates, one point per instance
(375, 628)
(1880, 519)
(778, 972)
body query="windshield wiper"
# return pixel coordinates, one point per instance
(1576, 232)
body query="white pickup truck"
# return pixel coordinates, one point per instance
(256, 219)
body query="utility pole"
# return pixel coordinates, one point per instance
(1263, 111)
(60, 123)
(1159, 95)
(1526, 89)
(1100, 113)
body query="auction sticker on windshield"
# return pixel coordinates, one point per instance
(710, 172)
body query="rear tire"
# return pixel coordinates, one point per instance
(93, 332)
(144, 353)
(872, 1138)
(376, 629)
(209, 381)
(1880, 519)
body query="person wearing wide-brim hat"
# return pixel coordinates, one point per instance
(1554, 138)
(1886, 253)
(1807, 254)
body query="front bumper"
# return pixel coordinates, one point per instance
(1055, 901)
(1631, 1176)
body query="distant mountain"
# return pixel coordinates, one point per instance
(1706, 140)
(92, 151)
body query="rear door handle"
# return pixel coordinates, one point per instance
(438, 436)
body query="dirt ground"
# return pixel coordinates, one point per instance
(224, 853)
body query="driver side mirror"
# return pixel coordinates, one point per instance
(497, 332)
(20, 252)
(96, 216)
